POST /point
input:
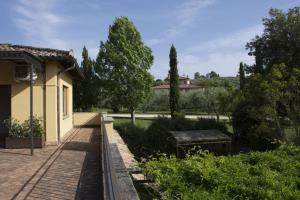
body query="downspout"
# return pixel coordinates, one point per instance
(58, 99)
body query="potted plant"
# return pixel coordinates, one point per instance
(19, 135)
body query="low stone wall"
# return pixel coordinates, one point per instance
(86, 119)
(117, 161)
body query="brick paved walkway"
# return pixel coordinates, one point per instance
(71, 171)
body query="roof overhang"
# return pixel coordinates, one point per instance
(38, 62)
(21, 56)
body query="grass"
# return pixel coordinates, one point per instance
(142, 123)
(109, 110)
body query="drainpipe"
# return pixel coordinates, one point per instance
(31, 108)
(58, 99)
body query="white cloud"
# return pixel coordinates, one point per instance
(185, 14)
(226, 64)
(40, 23)
(222, 55)
(234, 40)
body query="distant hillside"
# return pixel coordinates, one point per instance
(217, 82)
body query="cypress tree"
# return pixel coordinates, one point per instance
(242, 75)
(84, 90)
(174, 83)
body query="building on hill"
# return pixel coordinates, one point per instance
(185, 85)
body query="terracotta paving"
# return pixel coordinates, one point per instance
(70, 171)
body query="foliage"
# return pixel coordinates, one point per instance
(217, 82)
(206, 124)
(279, 42)
(159, 82)
(145, 142)
(228, 101)
(255, 118)
(287, 85)
(174, 83)
(212, 104)
(123, 63)
(212, 74)
(197, 75)
(256, 175)
(86, 90)
(157, 101)
(270, 95)
(22, 130)
(242, 75)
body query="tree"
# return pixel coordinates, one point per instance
(85, 93)
(174, 83)
(271, 93)
(197, 75)
(279, 43)
(123, 63)
(288, 87)
(212, 74)
(242, 76)
(158, 82)
(212, 104)
(228, 101)
(256, 119)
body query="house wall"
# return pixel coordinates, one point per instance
(44, 98)
(20, 93)
(51, 70)
(66, 122)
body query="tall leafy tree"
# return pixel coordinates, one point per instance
(279, 43)
(270, 94)
(242, 76)
(197, 75)
(212, 74)
(84, 94)
(174, 83)
(123, 63)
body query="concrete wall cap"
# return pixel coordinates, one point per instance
(108, 119)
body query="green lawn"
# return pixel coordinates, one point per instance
(142, 123)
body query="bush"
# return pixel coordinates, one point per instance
(22, 130)
(205, 124)
(134, 137)
(157, 139)
(254, 129)
(257, 175)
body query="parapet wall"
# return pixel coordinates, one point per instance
(82, 119)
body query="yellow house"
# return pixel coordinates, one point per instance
(54, 72)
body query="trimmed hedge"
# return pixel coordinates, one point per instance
(256, 175)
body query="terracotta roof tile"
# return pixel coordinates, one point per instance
(39, 52)
(45, 54)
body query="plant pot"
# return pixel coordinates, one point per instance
(20, 143)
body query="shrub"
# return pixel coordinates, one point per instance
(156, 139)
(205, 124)
(257, 175)
(22, 130)
(135, 138)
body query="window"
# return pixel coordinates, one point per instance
(65, 101)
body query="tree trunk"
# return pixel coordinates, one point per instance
(217, 113)
(132, 113)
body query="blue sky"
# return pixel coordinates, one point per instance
(208, 34)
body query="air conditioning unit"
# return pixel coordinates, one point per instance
(22, 73)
